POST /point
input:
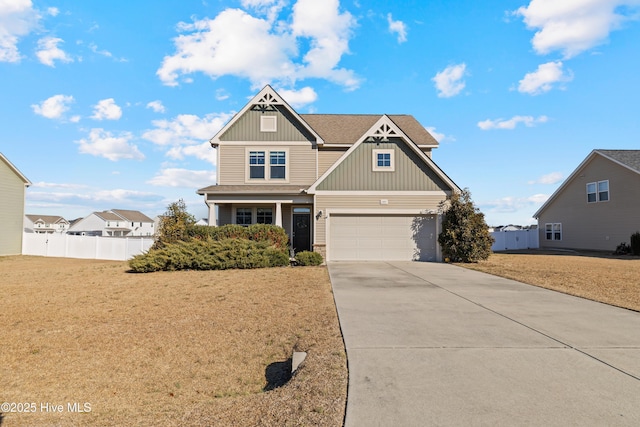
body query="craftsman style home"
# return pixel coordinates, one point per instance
(114, 223)
(13, 185)
(45, 224)
(597, 207)
(352, 187)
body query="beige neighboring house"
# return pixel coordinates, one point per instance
(13, 185)
(352, 187)
(45, 224)
(597, 207)
(114, 223)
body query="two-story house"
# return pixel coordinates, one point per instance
(352, 187)
(114, 223)
(45, 224)
(13, 187)
(597, 207)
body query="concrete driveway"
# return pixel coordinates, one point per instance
(434, 344)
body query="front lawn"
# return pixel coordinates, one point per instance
(168, 348)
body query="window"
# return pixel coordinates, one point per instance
(383, 161)
(278, 161)
(598, 191)
(264, 216)
(256, 164)
(553, 231)
(243, 216)
(268, 123)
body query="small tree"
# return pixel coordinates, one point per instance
(174, 224)
(465, 235)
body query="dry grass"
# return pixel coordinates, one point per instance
(598, 277)
(170, 348)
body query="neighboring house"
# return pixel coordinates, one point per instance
(42, 224)
(597, 207)
(13, 185)
(352, 187)
(114, 223)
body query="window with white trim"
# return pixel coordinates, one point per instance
(268, 123)
(383, 160)
(244, 216)
(598, 191)
(553, 231)
(256, 164)
(277, 162)
(264, 216)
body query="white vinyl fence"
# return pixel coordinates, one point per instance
(92, 247)
(510, 240)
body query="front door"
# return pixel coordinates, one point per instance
(301, 229)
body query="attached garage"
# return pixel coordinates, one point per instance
(384, 237)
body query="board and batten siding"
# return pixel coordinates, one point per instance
(600, 225)
(247, 128)
(370, 203)
(356, 173)
(234, 161)
(12, 196)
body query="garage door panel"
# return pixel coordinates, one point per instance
(382, 237)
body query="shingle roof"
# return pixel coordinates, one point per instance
(133, 216)
(348, 128)
(270, 189)
(629, 158)
(48, 219)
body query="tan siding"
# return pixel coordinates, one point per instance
(327, 158)
(247, 128)
(12, 191)
(231, 170)
(355, 202)
(233, 163)
(224, 214)
(411, 173)
(601, 225)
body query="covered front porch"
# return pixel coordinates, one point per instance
(288, 207)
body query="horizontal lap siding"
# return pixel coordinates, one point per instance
(356, 202)
(12, 191)
(231, 170)
(601, 225)
(327, 158)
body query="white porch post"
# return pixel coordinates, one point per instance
(279, 214)
(212, 214)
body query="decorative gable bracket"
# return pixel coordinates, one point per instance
(382, 134)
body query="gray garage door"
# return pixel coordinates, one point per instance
(382, 238)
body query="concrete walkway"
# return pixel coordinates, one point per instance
(432, 344)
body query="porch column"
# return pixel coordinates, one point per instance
(212, 214)
(279, 214)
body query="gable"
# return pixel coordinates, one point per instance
(247, 126)
(355, 172)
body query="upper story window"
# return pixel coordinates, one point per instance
(383, 160)
(268, 165)
(268, 123)
(278, 161)
(598, 191)
(256, 164)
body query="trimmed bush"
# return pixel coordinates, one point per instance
(275, 235)
(308, 258)
(635, 243)
(210, 255)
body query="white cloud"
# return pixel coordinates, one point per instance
(104, 52)
(53, 107)
(574, 26)
(397, 27)
(449, 82)
(264, 50)
(528, 121)
(543, 79)
(17, 19)
(53, 11)
(102, 143)
(439, 136)
(221, 94)
(187, 135)
(512, 204)
(299, 98)
(175, 177)
(268, 8)
(106, 109)
(156, 106)
(48, 51)
(550, 178)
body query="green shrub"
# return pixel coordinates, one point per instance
(635, 243)
(273, 234)
(308, 258)
(209, 255)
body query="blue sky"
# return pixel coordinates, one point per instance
(111, 104)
